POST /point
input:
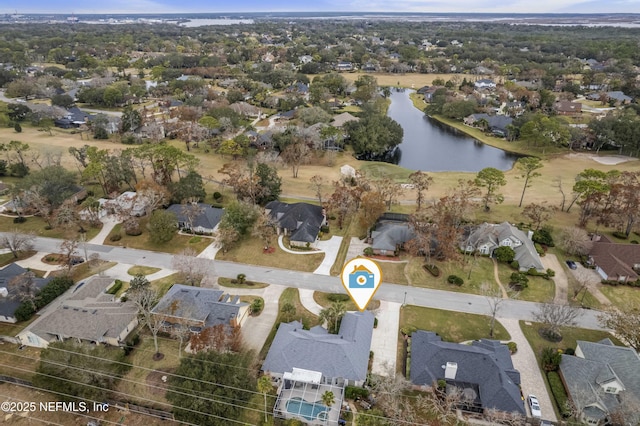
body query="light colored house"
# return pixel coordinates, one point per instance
(200, 308)
(488, 237)
(342, 359)
(199, 218)
(601, 379)
(485, 83)
(341, 119)
(86, 313)
(483, 370)
(129, 201)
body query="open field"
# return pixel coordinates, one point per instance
(410, 80)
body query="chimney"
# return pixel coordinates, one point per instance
(530, 234)
(450, 370)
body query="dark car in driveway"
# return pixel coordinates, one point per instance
(571, 264)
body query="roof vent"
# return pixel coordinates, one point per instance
(451, 370)
(4, 292)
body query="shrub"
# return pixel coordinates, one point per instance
(634, 242)
(354, 392)
(515, 265)
(115, 287)
(518, 279)
(559, 393)
(551, 273)
(325, 229)
(217, 196)
(539, 249)
(513, 347)
(551, 358)
(24, 311)
(454, 279)
(19, 219)
(241, 278)
(375, 322)
(504, 254)
(338, 297)
(543, 236)
(115, 237)
(256, 306)
(368, 251)
(433, 269)
(569, 351)
(620, 235)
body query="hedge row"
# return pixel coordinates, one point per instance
(559, 393)
(47, 294)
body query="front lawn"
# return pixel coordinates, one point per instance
(481, 272)
(393, 272)
(142, 270)
(250, 251)
(538, 290)
(37, 225)
(621, 296)
(323, 300)
(176, 245)
(229, 282)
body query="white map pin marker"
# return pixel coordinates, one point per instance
(361, 278)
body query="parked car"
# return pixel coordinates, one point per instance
(76, 261)
(571, 264)
(534, 406)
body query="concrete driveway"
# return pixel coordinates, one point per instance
(330, 248)
(550, 261)
(531, 378)
(384, 342)
(256, 329)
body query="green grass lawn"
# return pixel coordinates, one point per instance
(142, 270)
(20, 363)
(226, 282)
(393, 272)
(142, 241)
(250, 250)
(322, 299)
(539, 289)
(308, 319)
(481, 272)
(341, 257)
(622, 296)
(378, 170)
(7, 258)
(37, 226)
(163, 284)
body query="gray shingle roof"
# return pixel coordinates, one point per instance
(345, 354)
(208, 219)
(8, 305)
(485, 363)
(389, 235)
(302, 220)
(204, 305)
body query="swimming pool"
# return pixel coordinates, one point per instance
(308, 410)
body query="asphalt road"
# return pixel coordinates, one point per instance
(451, 301)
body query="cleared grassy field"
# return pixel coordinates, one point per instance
(481, 273)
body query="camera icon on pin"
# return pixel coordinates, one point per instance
(361, 277)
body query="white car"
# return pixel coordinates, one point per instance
(534, 406)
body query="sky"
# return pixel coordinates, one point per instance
(208, 6)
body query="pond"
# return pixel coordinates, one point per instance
(429, 145)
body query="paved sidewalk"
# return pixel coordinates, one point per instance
(108, 223)
(330, 248)
(525, 361)
(35, 262)
(210, 251)
(384, 342)
(306, 298)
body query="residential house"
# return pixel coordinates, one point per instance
(391, 234)
(299, 88)
(567, 108)
(10, 299)
(601, 379)
(341, 119)
(341, 358)
(497, 124)
(344, 66)
(200, 308)
(305, 59)
(483, 371)
(128, 202)
(618, 97)
(613, 261)
(87, 314)
(301, 222)
(488, 237)
(245, 109)
(197, 217)
(74, 118)
(485, 83)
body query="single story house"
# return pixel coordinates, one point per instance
(613, 261)
(9, 296)
(390, 235)
(341, 119)
(483, 371)
(200, 218)
(88, 314)
(344, 66)
(246, 109)
(341, 358)
(485, 83)
(617, 96)
(567, 108)
(300, 221)
(129, 201)
(498, 124)
(200, 308)
(488, 237)
(599, 378)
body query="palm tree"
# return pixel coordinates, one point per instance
(264, 387)
(288, 310)
(332, 316)
(328, 398)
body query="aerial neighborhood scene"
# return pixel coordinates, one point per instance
(312, 214)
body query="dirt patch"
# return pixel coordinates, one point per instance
(155, 383)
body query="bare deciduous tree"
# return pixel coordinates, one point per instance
(24, 289)
(145, 298)
(190, 209)
(192, 268)
(556, 316)
(317, 182)
(69, 248)
(575, 241)
(494, 298)
(624, 322)
(17, 241)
